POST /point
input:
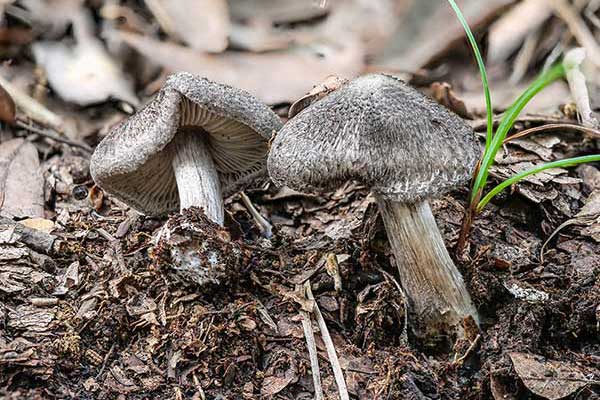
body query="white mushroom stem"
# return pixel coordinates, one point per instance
(196, 175)
(434, 286)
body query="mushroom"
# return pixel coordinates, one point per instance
(379, 131)
(195, 142)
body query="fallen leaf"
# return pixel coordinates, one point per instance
(416, 44)
(273, 77)
(68, 280)
(85, 73)
(274, 384)
(201, 24)
(443, 94)
(279, 11)
(39, 224)
(507, 34)
(21, 182)
(96, 196)
(549, 379)
(321, 90)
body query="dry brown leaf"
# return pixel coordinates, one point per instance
(507, 34)
(274, 77)
(549, 379)
(443, 94)
(276, 383)
(318, 92)
(21, 182)
(201, 24)
(96, 196)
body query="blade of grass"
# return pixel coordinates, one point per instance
(569, 162)
(482, 71)
(508, 120)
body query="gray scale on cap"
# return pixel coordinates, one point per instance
(134, 163)
(379, 131)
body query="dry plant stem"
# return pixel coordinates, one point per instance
(32, 108)
(331, 353)
(465, 229)
(312, 350)
(265, 227)
(197, 179)
(434, 286)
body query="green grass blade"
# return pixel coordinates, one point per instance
(508, 120)
(482, 71)
(569, 162)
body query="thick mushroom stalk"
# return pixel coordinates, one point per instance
(197, 179)
(438, 295)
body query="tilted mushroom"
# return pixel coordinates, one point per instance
(379, 131)
(195, 142)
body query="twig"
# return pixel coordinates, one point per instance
(106, 357)
(31, 107)
(312, 351)
(265, 227)
(462, 358)
(404, 334)
(331, 353)
(53, 136)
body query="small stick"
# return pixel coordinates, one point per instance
(331, 353)
(265, 227)
(462, 358)
(53, 136)
(312, 352)
(31, 107)
(106, 357)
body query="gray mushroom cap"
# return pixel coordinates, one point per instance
(379, 131)
(134, 164)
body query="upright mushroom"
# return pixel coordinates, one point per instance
(195, 142)
(407, 149)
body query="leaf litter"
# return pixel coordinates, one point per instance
(93, 297)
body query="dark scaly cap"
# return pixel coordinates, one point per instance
(379, 131)
(133, 164)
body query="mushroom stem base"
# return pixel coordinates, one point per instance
(198, 182)
(438, 297)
